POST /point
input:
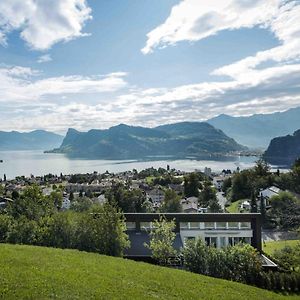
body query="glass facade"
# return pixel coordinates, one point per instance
(145, 225)
(130, 225)
(233, 225)
(209, 225)
(221, 225)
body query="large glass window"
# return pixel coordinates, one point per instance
(209, 225)
(245, 225)
(184, 225)
(221, 225)
(211, 241)
(222, 240)
(145, 225)
(233, 225)
(231, 241)
(194, 225)
(130, 225)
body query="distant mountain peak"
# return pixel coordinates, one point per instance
(257, 130)
(284, 149)
(34, 140)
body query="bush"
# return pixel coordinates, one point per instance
(196, 257)
(59, 230)
(239, 263)
(279, 282)
(5, 227)
(102, 231)
(24, 231)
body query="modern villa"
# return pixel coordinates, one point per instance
(216, 229)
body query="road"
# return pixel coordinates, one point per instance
(221, 199)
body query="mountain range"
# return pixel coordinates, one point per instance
(34, 140)
(284, 150)
(184, 139)
(256, 131)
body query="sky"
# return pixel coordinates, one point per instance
(98, 63)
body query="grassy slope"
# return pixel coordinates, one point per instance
(28, 272)
(270, 247)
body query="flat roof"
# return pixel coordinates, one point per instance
(186, 217)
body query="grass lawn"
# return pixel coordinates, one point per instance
(149, 179)
(234, 207)
(270, 247)
(29, 272)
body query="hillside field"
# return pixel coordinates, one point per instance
(29, 272)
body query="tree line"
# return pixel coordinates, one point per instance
(34, 219)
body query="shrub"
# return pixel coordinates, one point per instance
(239, 263)
(5, 227)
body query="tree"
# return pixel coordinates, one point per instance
(32, 204)
(208, 195)
(15, 195)
(285, 209)
(127, 200)
(71, 197)
(171, 202)
(296, 176)
(162, 238)
(289, 257)
(262, 208)
(1, 189)
(253, 203)
(5, 227)
(60, 230)
(102, 230)
(227, 183)
(191, 185)
(262, 168)
(241, 186)
(214, 206)
(56, 198)
(81, 204)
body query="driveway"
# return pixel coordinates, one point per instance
(221, 199)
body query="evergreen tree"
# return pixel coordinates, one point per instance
(191, 185)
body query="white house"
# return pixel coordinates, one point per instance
(101, 199)
(267, 194)
(66, 203)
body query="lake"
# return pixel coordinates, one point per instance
(17, 163)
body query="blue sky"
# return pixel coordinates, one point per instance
(96, 63)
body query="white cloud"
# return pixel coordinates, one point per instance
(19, 84)
(44, 58)
(42, 23)
(286, 27)
(193, 20)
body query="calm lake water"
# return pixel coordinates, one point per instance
(17, 163)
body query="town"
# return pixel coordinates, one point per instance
(191, 192)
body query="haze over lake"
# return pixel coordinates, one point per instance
(17, 163)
